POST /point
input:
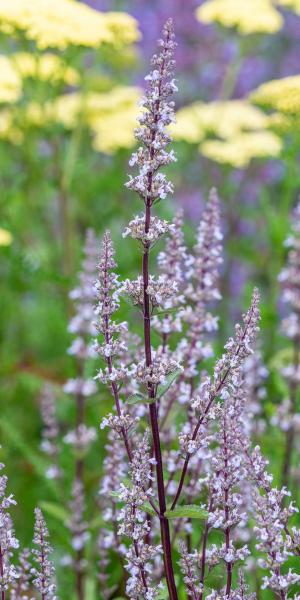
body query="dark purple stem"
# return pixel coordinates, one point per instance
(164, 524)
(226, 509)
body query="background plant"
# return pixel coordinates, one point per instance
(55, 183)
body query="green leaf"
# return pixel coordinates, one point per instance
(281, 359)
(96, 523)
(55, 510)
(114, 494)
(140, 399)
(168, 311)
(162, 593)
(190, 511)
(148, 508)
(90, 589)
(162, 389)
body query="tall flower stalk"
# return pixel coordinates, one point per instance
(8, 540)
(152, 186)
(288, 413)
(227, 370)
(43, 573)
(81, 388)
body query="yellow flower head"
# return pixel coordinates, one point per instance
(8, 130)
(113, 119)
(281, 94)
(221, 118)
(44, 67)
(111, 116)
(10, 82)
(248, 16)
(239, 151)
(293, 5)
(240, 129)
(60, 23)
(5, 237)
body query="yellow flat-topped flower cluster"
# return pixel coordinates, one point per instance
(248, 16)
(44, 67)
(293, 5)
(282, 95)
(61, 23)
(10, 82)
(231, 132)
(110, 116)
(18, 66)
(221, 118)
(5, 237)
(239, 151)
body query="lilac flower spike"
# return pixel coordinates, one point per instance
(81, 325)
(8, 541)
(172, 263)
(152, 185)
(227, 375)
(158, 113)
(188, 563)
(50, 431)
(44, 572)
(274, 538)
(20, 587)
(107, 289)
(134, 524)
(203, 289)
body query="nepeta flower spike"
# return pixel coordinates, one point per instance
(82, 436)
(226, 373)
(20, 587)
(172, 262)
(44, 572)
(111, 346)
(50, 431)
(8, 541)
(188, 563)
(274, 539)
(134, 524)
(157, 115)
(152, 186)
(226, 482)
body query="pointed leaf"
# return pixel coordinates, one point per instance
(90, 589)
(190, 511)
(162, 389)
(168, 311)
(140, 399)
(162, 593)
(55, 510)
(148, 508)
(97, 522)
(114, 494)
